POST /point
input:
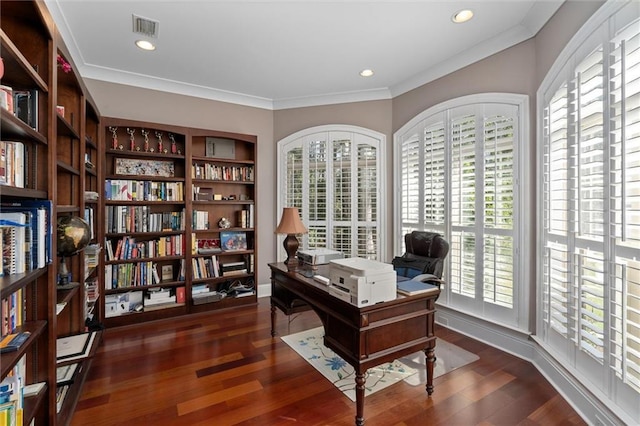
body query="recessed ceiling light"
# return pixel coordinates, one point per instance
(366, 73)
(462, 16)
(145, 45)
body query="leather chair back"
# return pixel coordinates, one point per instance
(430, 245)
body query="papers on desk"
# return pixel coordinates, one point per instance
(413, 287)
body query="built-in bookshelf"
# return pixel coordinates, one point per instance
(179, 233)
(145, 208)
(41, 180)
(223, 200)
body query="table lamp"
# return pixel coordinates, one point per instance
(291, 225)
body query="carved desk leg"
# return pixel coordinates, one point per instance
(273, 320)
(430, 353)
(360, 380)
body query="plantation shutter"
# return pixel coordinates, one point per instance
(435, 177)
(410, 164)
(333, 177)
(590, 268)
(315, 214)
(463, 200)
(498, 202)
(458, 178)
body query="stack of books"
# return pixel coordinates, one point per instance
(158, 298)
(233, 268)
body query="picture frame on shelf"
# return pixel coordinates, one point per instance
(137, 167)
(233, 240)
(167, 272)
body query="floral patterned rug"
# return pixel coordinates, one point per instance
(309, 344)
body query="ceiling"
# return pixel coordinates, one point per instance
(292, 53)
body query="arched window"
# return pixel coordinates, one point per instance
(334, 175)
(460, 171)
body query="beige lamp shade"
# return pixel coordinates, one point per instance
(290, 222)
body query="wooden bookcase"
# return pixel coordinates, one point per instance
(222, 182)
(165, 162)
(54, 172)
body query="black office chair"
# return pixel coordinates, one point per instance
(424, 257)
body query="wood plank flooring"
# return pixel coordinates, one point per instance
(226, 369)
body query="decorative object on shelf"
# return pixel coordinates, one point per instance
(291, 225)
(60, 110)
(131, 166)
(145, 133)
(132, 139)
(224, 223)
(174, 147)
(63, 64)
(73, 235)
(114, 137)
(159, 136)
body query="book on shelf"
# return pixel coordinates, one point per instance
(233, 240)
(180, 295)
(16, 222)
(12, 342)
(413, 287)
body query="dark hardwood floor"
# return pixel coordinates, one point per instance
(226, 369)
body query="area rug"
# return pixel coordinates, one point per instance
(309, 345)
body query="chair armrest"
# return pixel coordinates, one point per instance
(425, 278)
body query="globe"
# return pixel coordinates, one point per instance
(73, 235)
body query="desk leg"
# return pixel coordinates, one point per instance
(430, 353)
(360, 380)
(273, 320)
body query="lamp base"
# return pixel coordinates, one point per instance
(290, 245)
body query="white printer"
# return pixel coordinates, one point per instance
(362, 282)
(319, 256)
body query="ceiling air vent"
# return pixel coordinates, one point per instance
(145, 26)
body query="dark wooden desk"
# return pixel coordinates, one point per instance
(364, 337)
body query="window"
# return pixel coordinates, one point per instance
(334, 175)
(589, 180)
(457, 173)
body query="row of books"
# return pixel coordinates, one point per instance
(27, 231)
(209, 267)
(143, 190)
(245, 217)
(216, 172)
(200, 220)
(12, 394)
(12, 312)
(13, 164)
(121, 219)
(138, 274)
(128, 248)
